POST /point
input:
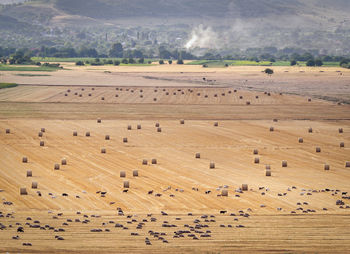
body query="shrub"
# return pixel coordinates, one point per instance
(170, 61)
(161, 61)
(180, 61)
(79, 63)
(125, 61)
(141, 60)
(293, 62)
(310, 62)
(116, 62)
(268, 71)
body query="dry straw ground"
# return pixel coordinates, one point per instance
(176, 204)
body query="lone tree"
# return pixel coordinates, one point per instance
(268, 71)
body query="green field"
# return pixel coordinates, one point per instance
(7, 85)
(221, 63)
(26, 68)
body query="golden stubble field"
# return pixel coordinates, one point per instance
(175, 204)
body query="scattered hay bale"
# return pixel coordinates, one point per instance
(154, 161)
(244, 187)
(157, 124)
(129, 127)
(144, 162)
(340, 130)
(126, 184)
(23, 191)
(64, 162)
(122, 174)
(42, 129)
(241, 97)
(309, 99)
(103, 150)
(275, 120)
(255, 151)
(8, 131)
(25, 160)
(224, 193)
(272, 129)
(326, 167)
(198, 155)
(125, 140)
(310, 130)
(159, 129)
(90, 94)
(216, 124)
(57, 166)
(87, 134)
(256, 160)
(29, 173)
(347, 164)
(212, 165)
(268, 173)
(102, 98)
(318, 149)
(301, 140)
(247, 103)
(98, 120)
(135, 173)
(267, 167)
(40, 134)
(342, 144)
(139, 126)
(182, 121)
(34, 185)
(257, 97)
(107, 137)
(42, 143)
(154, 99)
(284, 164)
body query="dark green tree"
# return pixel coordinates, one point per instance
(116, 50)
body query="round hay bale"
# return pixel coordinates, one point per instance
(157, 125)
(310, 130)
(107, 137)
(301, 140)
(224, 193)
(235, 90)
(275, 120)
(309, 99)
(255, 151)
(64, 162)
(347, 164)
(244, 187)
(267, 167)
(90, 94)
(284, 164)
(75, 133)
(159, 129)
(256, 160)
(212, 165)
(216, 124)
(340, 130)
(144, 162)
(40, 134)
(93, 89)
(182, 121)
(125, 140)
(198, 156)
(102, 98)
(8, 131)
(57, 166)
(268, 173)
(23, 191)
(29, 173)
(154, 161)
(117, 95)
(257, 97)
(126, 184)
(154, 99)
(34, 185)
(87, 134)
(139, 126)
(80, 95)
(318, 149)
(122, 174)
(42, 129)
(241, 97)
(247, 103)
(42, 143)
(326, 167)
(68, 90)
(103, 150)
(135, 173)
(272, 129)
(268, 94)
(99, 120)
(129, 127)
(25, 160)
(342, 144)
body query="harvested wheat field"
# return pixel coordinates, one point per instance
(178, 169)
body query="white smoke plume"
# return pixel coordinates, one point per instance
(202, 37)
